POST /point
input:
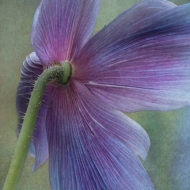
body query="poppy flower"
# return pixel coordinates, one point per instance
(140, 61)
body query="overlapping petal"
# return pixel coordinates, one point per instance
(140, 61)
(62, 27)
(92, 146)
(32, 68)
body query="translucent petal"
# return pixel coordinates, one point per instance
(61, 28)
(92, 146)
(141, 60)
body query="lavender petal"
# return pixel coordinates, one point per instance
(61, 28)
(145, 64)
(92, 146)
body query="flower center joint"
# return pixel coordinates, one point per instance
(67, 72)
(60, 73)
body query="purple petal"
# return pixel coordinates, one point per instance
(62, 27)
(146, 69)
(92, 146)
(32, 68)
(125, 25)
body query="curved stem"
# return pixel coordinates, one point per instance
(60, 73)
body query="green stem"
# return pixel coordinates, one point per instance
(61, 74)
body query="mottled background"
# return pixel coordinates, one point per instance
(169, 155)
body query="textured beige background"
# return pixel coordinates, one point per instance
(169, 155)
